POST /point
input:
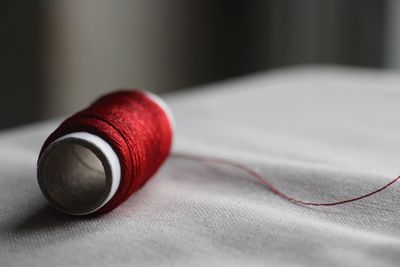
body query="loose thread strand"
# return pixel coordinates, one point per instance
(271, 187)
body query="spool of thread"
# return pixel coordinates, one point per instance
(101, 155)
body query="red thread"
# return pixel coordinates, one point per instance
(137, 129)
(271, 187)
(141, 135)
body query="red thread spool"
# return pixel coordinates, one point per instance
(101, 155)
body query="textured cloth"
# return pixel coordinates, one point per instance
(319, 134)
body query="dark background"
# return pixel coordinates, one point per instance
(56, 56)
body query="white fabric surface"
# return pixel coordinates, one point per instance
(319, 134)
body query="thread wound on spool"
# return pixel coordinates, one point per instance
(134, 125)
(101, 155)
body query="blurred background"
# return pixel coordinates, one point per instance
(57, 56)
